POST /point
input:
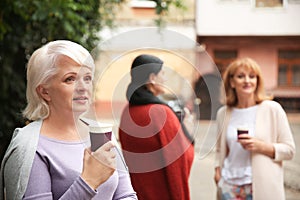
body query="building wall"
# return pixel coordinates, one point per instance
(265, 51)
(267, 59)
(132, 13)
(175, 44)
(256, 33)
(112, 82)
(113, 78)
(217, 17)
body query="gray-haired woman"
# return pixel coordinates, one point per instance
(47, 159)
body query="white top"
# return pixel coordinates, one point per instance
(237, 165)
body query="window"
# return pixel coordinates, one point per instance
(268, 3)
(234, 0)
(143, 4)
(296, 75)
(223, 58)
(294, 1)
(289, 68)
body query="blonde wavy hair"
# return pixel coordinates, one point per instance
(42, 67)
(230, 96)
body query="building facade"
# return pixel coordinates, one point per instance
(208, 35)
(267, 31)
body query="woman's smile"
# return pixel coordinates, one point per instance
(81, 99)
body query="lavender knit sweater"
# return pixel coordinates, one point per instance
(52, 171)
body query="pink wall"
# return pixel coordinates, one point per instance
(266, 57)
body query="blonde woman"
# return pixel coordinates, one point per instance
(48, 158)
(249, 165)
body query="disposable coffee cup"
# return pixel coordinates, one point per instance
(100, 133)
(242, 130)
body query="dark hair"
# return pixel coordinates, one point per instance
(144, 65)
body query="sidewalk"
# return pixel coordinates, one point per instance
(292, 167)
(202, 185)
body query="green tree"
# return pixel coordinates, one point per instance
(27, 24)
(162, 9)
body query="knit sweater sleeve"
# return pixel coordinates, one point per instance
(218, 144)
(285, 145)
(222, 123)
(39, 185)
(17, 161)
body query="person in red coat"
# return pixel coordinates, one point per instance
(156, 146)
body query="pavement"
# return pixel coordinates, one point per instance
(202, 185)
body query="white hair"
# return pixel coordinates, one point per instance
(42, 66)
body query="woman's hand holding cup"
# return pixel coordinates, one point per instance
(98, 166)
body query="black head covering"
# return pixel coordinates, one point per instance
(142, 66)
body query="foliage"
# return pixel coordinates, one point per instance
(163, 7)
(26, 25)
